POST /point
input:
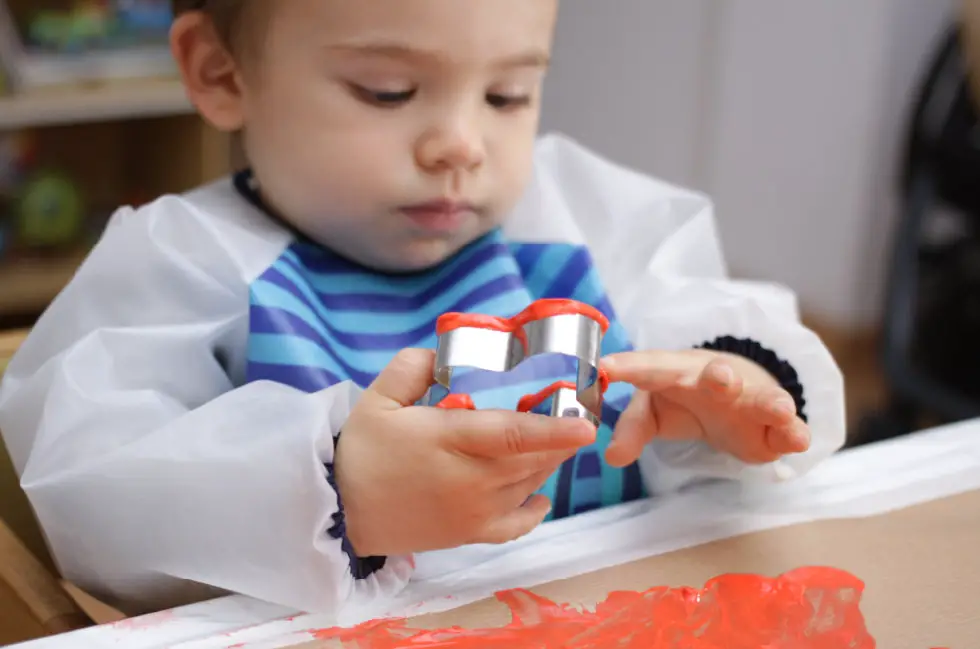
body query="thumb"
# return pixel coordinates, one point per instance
(406, 378)
(636, 426)
(517, 523)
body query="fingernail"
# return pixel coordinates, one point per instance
(802, 438)
(724, 375)
(612, 451)
(784, 407)
(585, 428)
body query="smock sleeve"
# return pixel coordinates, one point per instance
(657, 249)
(153, 472)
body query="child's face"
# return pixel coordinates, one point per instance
(396, 132)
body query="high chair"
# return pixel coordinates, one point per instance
(931, 313)
(970, 18)
(33, 603)
(9, 342)
(15, 510)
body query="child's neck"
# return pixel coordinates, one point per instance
(247, 186)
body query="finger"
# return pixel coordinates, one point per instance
(770, 406)
(518, 469)
(499, 433)
(521, 521)
(653, 371)
(519, 492)
(720, 382)
(636, 426)
(756, 426)
(748, 446)
(755, 445)
(794, 438)
(406, 378)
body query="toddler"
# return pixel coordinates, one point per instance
(224, 397)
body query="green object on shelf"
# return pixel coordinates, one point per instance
(50, 212)
(72, 29)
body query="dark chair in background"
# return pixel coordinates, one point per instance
(930, 350)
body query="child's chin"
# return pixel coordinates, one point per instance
(428, 254)
(424, 253)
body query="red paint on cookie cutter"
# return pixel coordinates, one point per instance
(537, 310)
(457, 402)
(531, 401)
(808, 608)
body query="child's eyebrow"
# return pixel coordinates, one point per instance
(394, 50)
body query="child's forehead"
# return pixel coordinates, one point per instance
(422, 24)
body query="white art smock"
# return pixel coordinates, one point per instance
(173, 414)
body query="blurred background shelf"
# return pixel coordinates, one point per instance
(93, 117)
(28, 285)
(110, 101)
(118, 144)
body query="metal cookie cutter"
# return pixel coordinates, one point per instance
(501, 344)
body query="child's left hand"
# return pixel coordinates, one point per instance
(726, 400)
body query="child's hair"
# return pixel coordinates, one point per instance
(226, 15)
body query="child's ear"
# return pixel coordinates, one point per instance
(209, 71)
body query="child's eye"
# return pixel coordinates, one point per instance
(501, 101)
(383, 98)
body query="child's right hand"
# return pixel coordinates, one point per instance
(414, 479)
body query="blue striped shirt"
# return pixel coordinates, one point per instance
(317, 319)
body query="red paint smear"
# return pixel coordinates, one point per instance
(809, 608)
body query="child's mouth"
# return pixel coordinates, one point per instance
(439, 215)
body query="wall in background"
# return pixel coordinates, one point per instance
(627, 80)
(790, 114)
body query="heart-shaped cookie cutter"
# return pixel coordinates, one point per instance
(495, 344)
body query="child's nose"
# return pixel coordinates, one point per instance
(456, 147)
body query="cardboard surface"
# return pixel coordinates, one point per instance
(921, 567)
(910, 504)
